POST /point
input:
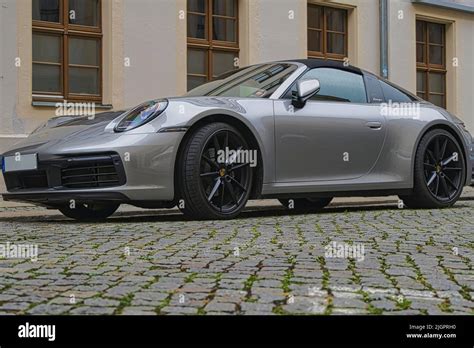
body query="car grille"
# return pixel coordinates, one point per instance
(75, 172)
(26, 180)
(98, 174)
(92, 172)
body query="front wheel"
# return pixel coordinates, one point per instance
(314, 204)
(89, 212)
(215, 174)
(440, 172)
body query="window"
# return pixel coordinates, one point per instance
(258, 81)
(213, 44)
(374, 90)
(393, 94)
(336, 85)
(327, 32)
(431, 62)
(67, 50)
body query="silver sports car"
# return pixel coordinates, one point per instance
(301, 131)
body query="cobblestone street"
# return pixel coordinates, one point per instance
(267, 262)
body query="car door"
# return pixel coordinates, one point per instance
(338, 135)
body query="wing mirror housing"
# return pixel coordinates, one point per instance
(305, 90)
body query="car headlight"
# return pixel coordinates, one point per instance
(140, 115)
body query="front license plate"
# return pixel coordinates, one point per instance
(19, 163)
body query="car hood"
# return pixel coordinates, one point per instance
(83, 121)
(61, 129)
(60, 132)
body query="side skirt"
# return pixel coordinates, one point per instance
(367, 193)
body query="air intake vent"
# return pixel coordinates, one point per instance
(26, 180)
(92, 172)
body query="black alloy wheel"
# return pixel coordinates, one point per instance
(224, 182)
(440, 172)
(443, 173)
(215, 182)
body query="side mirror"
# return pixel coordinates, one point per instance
(305, 90)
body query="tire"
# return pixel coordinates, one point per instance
(313, 204)
(89, 212)
(437, 182)
(212, 189)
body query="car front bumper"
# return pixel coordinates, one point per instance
(122, 168)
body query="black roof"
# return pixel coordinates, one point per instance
(323, 63)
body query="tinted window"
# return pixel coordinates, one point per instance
(394, 94)
(336, 85)
(258, 81)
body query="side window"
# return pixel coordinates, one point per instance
(374, 90)
(394, 94)
(336, 85)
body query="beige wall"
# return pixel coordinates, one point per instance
(113, 52)
(152, 33)
(155, 42)
(276, 30)
(9, 122)
(459, 44)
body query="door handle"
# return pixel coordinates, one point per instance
(374, 125)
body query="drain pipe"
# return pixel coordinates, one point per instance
(383, 24)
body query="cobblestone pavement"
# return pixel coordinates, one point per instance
(267, 262)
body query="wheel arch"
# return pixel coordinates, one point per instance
(445, 125)
(247, 132)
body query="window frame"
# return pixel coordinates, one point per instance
(208, 44)
(66, 31)
(262, 70)
(426, 67)
(288, 93)
(325, 31)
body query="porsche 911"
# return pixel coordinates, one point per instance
(300, 131)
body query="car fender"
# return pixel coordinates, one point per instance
(442, 124)
(265, 146)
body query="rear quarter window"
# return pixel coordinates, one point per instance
(374, 90)
(394, 94)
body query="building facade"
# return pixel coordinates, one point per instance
(118, 53)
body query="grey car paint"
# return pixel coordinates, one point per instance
(301, 151)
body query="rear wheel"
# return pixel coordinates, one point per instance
(89, 212)
(440, 172)
(212, 186)
(306, 203)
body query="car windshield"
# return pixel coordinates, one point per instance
(258, 81)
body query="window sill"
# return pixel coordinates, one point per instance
(53, 105)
